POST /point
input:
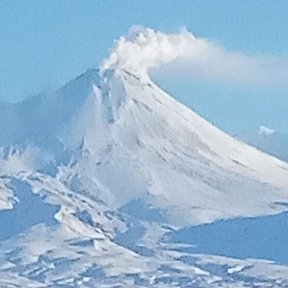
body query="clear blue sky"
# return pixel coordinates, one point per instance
(44, 44)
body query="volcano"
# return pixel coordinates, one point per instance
(95, 176)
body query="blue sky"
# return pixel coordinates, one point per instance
(44, 44)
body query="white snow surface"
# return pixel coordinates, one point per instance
(159, 146)
(123, 163)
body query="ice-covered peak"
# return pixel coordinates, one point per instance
(144, 48)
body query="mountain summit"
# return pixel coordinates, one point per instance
(117, 163)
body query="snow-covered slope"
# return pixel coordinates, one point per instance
(95, 176)
(268, 141)
(159, 146)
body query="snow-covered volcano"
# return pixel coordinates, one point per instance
(117, 163)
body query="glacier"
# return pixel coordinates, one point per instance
(100, 179)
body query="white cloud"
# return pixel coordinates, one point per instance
(15, 161)
(184, 55)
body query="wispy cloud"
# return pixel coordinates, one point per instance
(184, 55)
